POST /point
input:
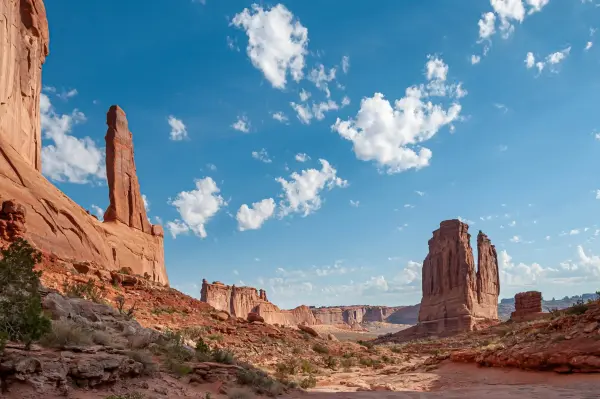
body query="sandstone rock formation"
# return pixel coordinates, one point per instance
(358, 314)
(33, 207)
(241, 301)
(455, 296)
(23, 49)
(528, 306)
(126, 203)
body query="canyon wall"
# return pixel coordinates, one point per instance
(455, 296)
(239, 301)
(359, 314)
(35, 209)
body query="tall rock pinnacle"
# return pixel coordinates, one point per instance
(126, 203)
(455, 295)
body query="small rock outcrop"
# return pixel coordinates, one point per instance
(455, 295)
(248, 303)
(528, 306)
(12, 220)
(126, 202)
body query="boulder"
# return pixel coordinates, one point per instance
(255, 317)
(222, 316)
(308, 329)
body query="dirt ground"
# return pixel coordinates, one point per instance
(453, 380)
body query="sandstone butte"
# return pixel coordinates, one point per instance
(34, 208)
(528, 306)
(358, 314)
(241, 301)
(455, 295)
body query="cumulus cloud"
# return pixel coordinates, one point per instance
(354, 203)
(301, 193)
(487, 25)
(280, 116)
(196, 208)
(146, 203)
(551, 60)
(475, 59)
(345, 64)
(306, 113)
(242, 124)
(391, 135)
(302, 157)
(277, 42)
(262, 156)
(321, 78)
(178, 129)
(588, 46)
(252, 218)
(68, 159)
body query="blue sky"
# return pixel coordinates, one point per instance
(419, 111)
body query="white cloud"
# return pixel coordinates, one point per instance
(304, 95)
(68, 159)
(280, 116)
(354, 203)
(319, 109)
(475, 59)
(321, 78)
(252, 218)
(262, 156)
(302, 112)
(536, 5)
(345, 101)
(196, 208)
(573, 232)
(146, 203)
(420, 193)
(302, 157)
(99, 212)
(588, 46)
(508, 11)
(548, 238)
(467, 221)
(277, 42)
(529, 60)
(211, 166)
(513, 223)
(551, 59)
(178, 129)
(410, 206)
(345, 64)
(65, 95)
(487, 26)
(390, 136)
(242, 124)
(516, 239)
(301, 194)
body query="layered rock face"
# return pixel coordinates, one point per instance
(352, 315)
(240, 301)
(35, 209)
(455, 296)
(528, 306)
(23, 49)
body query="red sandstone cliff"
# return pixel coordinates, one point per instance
(31, 206)
(239, 301)
(23, 49)
(358, 314)
(455, 296)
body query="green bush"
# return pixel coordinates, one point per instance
(222, 356)
(259, 381)
(145, 358)
(308, 382)
(307, 367)
(87, 291)
(21, 316)
(331, 362)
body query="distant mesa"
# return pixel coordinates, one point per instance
(35, 209)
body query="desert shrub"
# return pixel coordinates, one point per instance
(331, 362)
(160, 310)
(66, 333)
(366, 361)
(366, 344)
(145, 358)
(87, 291)
(139, 341)
(296, 351)
(100, 338)
(307, 367)
(347, 363)
(216, 337)
(578, 308)
(289, 367)
(396, 349)
(193, 333)
(260, 381)
(21, 317)
(120, 300)
(308, 382)
(222, 356)
(201, 346)
(240, 393)
(320, 348)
